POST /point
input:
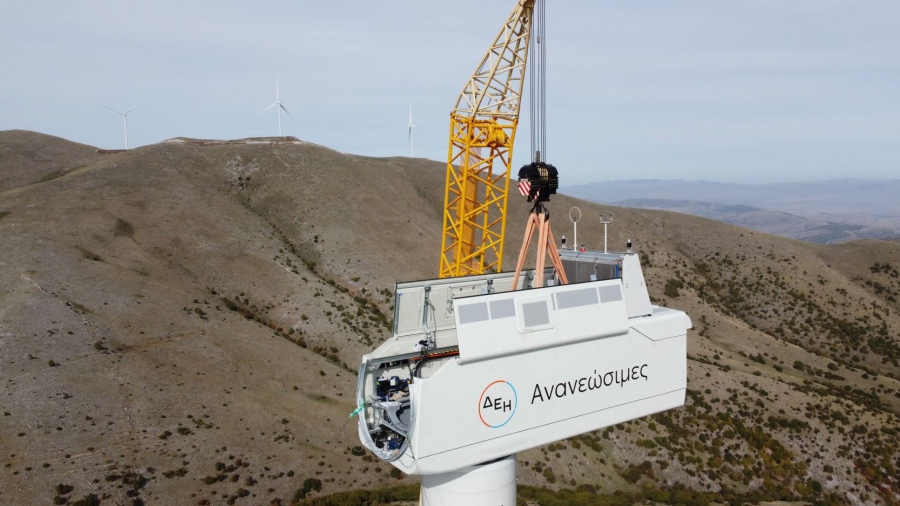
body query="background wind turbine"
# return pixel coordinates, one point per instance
(412, 143)
(278, 106)
(124, 118)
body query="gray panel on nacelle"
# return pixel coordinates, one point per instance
(579, 314)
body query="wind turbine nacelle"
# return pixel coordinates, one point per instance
(476, 372)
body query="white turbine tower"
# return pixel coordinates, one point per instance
(412, 141)
(124, 118)
(278, 106)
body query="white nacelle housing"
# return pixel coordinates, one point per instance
(476, 371)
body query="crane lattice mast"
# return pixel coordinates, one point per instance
(482, 131)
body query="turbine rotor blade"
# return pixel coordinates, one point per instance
(285, 110)
(135, 107)
(267, 108)
(111, 109)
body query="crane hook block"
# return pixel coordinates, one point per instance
(542, 178)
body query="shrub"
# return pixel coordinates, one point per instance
(672, 286)
(548, 474)
(646, 443)
(88, 500)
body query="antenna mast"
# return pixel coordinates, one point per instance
(605, 219)
(575, 217)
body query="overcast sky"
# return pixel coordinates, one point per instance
(738, 91)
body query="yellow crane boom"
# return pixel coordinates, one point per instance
(482, 131)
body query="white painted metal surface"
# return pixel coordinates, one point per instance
(489, 409)
(491, 484)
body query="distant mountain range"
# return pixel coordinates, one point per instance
(822, 212)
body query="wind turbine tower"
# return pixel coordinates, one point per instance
(412, 142)
(124, 118)
(278, 106)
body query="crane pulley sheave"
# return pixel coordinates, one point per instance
(482, 131)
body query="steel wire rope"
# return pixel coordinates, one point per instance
(537, 78)
(543, 76)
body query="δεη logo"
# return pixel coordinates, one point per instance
(497, 404)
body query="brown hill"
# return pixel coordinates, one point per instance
(27, 158)
(181, 323)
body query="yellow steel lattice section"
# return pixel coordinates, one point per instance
(482, 130)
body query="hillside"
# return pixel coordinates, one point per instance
(180, 324)
(30, 158)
